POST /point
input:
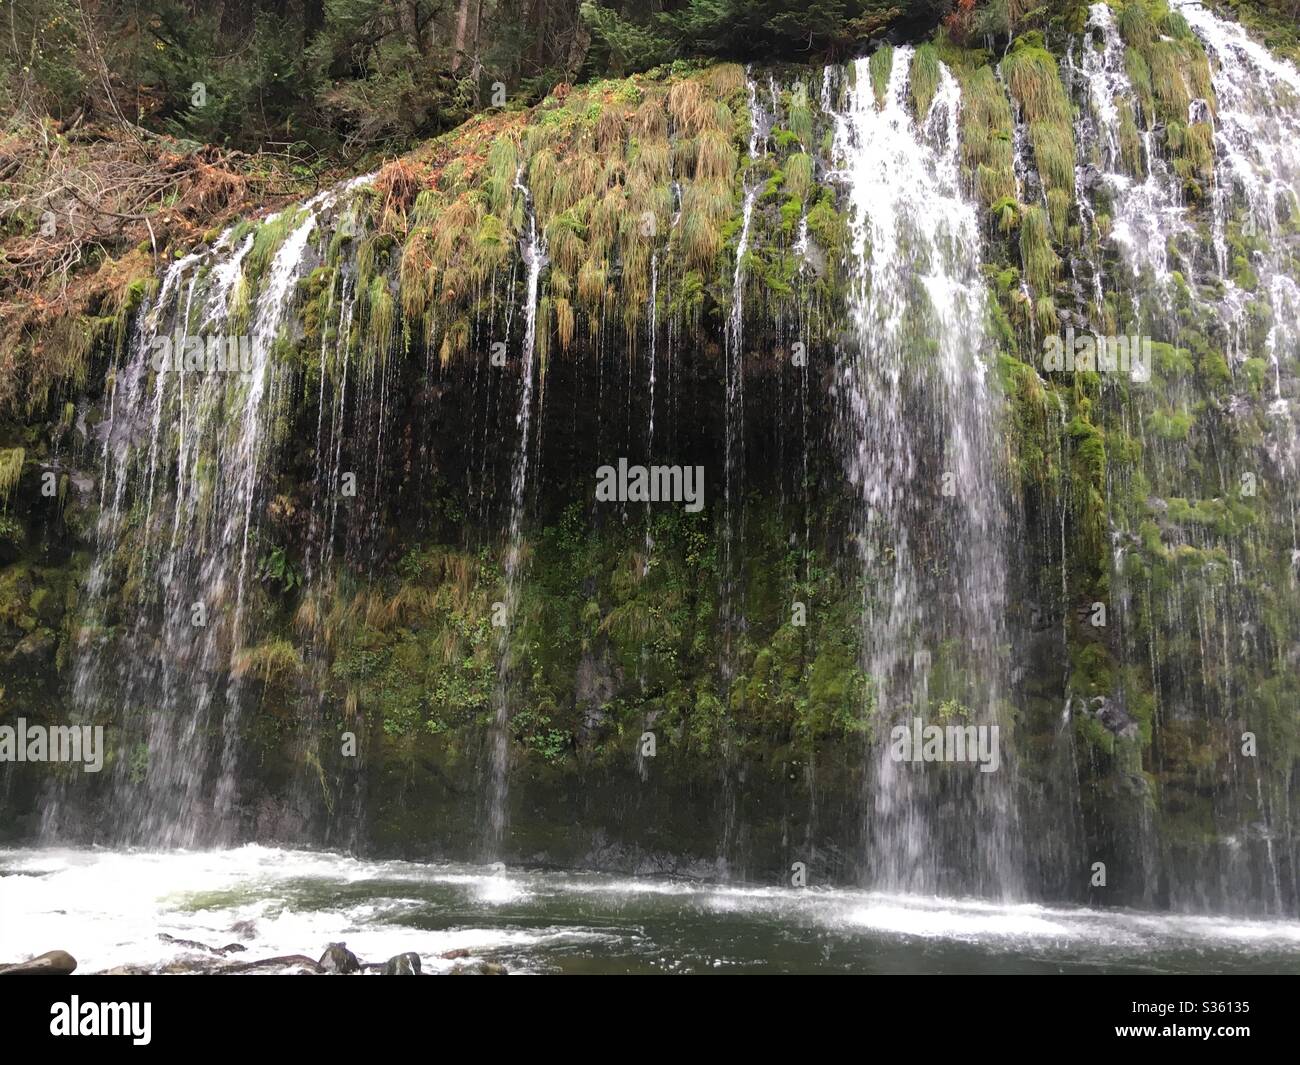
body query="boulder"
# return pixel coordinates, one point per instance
(51, 963)
(338, 959)
(407, 964)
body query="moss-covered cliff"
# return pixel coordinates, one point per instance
(683, 212)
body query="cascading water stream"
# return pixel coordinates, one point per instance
(733, 531)
(1257, 189)
(1149, 210)
(185, 485)
(1257, 142)
(533, 250)
(920, 453)
(1253, 192)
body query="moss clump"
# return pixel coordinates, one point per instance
(988, 136)
(880, 66)
(923, 78)
(1034, 80)
(1038, 260)
(11, 471)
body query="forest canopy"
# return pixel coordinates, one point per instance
(324, 74)
(341, 77)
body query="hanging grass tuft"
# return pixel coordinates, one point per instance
(1130, 143)
(651, 166)
(1034, 80)
(800, 114)
(415, 273)
(880, 66)
(502, 170)
(564, 321)
(1135, 25)
(1167, 81)
(1006, 214)
(592, 284)
(1139, 76)
(11, 471)
(649, 122)
(381, 317)
(799, 175)
(543, 176)
(565, 243)
(715, 157)
(725, 78)
(987, 136)
(690, 110)
(611, 128)
(924, 78)
(1038, 260)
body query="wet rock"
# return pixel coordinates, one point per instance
(304, 964)
(51, 963)
(483, 968)
(459, 952)
(1113, 717)
(35, 651)
(1090, 178)
(189, 944)
(407, 964)
(244, 929)
(338, 959)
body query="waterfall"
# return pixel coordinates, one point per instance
(1202, 274)
(533, 250)
(1149, 210)
(184, 457)
(920, 454)
(733, 520)
(1257, 142)
(1257, 193)
(733, 483)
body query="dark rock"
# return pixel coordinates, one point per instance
(51, 963)
(338, 959)
(188, 943)
(407, 964)
(305, 965)
(459, 952)
(1112, 716)
(483, 968)
(244, 929)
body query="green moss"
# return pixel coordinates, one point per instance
(1038, 261)
(987, 136)
(880, 66)
(923, 78)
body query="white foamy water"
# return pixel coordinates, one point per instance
(108, 909)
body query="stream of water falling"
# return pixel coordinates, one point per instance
(533, 250)
(1255, 188)
(1257, 145)
(183, 458)
(920, 453)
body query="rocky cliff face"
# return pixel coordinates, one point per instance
(321, 542)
